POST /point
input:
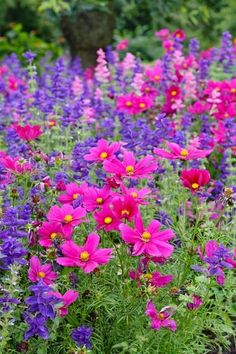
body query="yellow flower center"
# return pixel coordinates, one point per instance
(161, 316)
(75, 196)
(84, 256)
(103, 155)
(148, 276)
(146, 236)
(233, 90)
(108, 220)
(41, 274)
(195, 185)
(53, 235)
(99, 200)
(129, 170)
(142, 105)
(51, 123)
(173, 93)
(129, 103)
(68, 218)
(134, 194)
(226, 115)
(125, 212)
(184, 152)
(157, 77)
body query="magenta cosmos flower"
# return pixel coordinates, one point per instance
(67, 299)
(107, 219)
(194, 179)
(28, 132)
(177, 152)
(130, 168)
(125, 208)
(162, 318)
(86, 257)
(16, 165)
(149, 241)
(96, 198)
(51, 232)
(73, 192)
(37, 271)
(103, 151)
(67, 216)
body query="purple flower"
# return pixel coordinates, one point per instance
(29, 56)
(81, 336)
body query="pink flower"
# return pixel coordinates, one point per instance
(96, 198)
(154, 74)
(51, 232)
(16, 165)
(196, 303)
(149, 241)
(162, 318)
(139, 195)
(180, 34)
(155, 279)
(130, 168)
(67, 299)
(103, 151)
(194, 179)
(164, 33)
(28, 132)
(127, 103)
(73, 191)
(67, 216)
(87, 257)
(125, 208)
(122, 45)
(41, 272)
(198, 108)
(177, 152)
(107, 219)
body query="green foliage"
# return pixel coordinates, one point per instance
(18, 41)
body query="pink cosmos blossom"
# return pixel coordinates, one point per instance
(168, 46)
(198, 108)
(67, 299)
(125, 208)
(107, 219)
(28, 132)
(139, 195)
(196, 303)
(225, 110)
(162, 318)
(180, 34)
(96, 198)
(133, 104)
(194, 179)
(73, 192)
(51, 232)
(130, 168)
(150, 241)
(154, 74)
(16, 165)
(67, 216)
(155, 279)
(87, 257)
(103, 151)
(37, 271)
(122, 45)
(177, 152)
(164, 33)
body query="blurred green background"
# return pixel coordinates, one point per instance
(83, 26)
